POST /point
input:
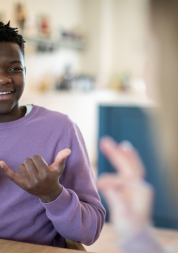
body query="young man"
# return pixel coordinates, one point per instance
(47, 189)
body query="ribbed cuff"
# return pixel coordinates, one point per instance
(60, 204)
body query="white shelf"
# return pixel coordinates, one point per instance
(76, 45)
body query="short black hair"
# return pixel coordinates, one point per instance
(10, 34)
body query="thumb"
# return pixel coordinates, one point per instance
(60, 160)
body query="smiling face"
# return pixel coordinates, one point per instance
(12, 81)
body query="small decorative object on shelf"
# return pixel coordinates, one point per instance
(125, 82)
(45, 83)
(69, 81)
(120, 82)
(44, 26)
(64, 82)
(20, 15)
(72, 38)
(84, 82)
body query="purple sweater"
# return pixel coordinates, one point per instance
(77, 213)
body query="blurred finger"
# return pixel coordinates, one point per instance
(123, 157)
(109, 180)
(133, 157)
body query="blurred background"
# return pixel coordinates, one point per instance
(80, 53)
(88, 59)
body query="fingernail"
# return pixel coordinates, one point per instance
(126, 145)
(1, 166)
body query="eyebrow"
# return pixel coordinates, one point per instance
(12, 62)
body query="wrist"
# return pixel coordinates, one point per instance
(52, 196)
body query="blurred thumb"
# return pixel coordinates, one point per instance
(59, 162)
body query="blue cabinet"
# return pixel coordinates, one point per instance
(132, 124)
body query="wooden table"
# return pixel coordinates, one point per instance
(7, 246)
(105, 244)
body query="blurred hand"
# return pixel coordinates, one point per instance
(128, 196)
(37, 178)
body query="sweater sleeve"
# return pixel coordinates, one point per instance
(77, 213)
(142, 241)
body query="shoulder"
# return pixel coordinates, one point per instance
(49, 117)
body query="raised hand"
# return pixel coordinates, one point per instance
(128, 196)
(37, 178)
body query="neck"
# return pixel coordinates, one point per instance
(16, 113)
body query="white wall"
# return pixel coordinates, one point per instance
(130, 37)
(108, 29)
(117, 31)
(91, 27)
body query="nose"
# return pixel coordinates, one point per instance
(4, 79)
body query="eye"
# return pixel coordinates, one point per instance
(15, 69)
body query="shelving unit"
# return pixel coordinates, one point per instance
(62, 43)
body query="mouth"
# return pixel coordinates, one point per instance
(6, 95)
(6, 92)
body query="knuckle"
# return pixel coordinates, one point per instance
(30, 186)
(44, 176)
(20, 167)
(26, 186)
(35, 182)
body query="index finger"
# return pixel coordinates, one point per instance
(16, 178)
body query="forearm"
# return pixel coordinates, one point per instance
(74, 219)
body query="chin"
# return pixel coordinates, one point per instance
(6, 110)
